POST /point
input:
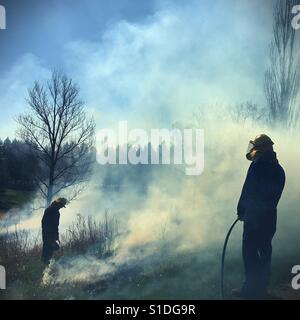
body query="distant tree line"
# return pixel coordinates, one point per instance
(19, 165)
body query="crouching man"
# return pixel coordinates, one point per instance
(50, 233)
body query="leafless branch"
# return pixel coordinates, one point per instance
(59, 130)
(282, 79)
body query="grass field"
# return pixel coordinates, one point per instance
(90, 266)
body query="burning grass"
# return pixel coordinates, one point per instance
(21, 253)
(89, 266)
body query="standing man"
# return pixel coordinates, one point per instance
(257, 208)
(50, 223)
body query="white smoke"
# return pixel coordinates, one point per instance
(185, 214)
(153, 74)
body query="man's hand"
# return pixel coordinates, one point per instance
(240, 217)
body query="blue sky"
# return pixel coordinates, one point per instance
(42, 27)
(149, 62)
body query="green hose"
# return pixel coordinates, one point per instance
(223, 258)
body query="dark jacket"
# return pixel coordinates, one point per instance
(261, 191)
(50, 223)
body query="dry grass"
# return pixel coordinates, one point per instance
(18, 249)
(87, 234)
(21, 251)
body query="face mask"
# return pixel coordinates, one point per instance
(251, 152)
(253, 155)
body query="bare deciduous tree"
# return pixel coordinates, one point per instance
(248, 111)
(282, 79)
(58, 128)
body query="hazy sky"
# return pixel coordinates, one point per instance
(149, 62)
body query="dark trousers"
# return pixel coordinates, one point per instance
(47, 252)
(257, 255)
(49, 246)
